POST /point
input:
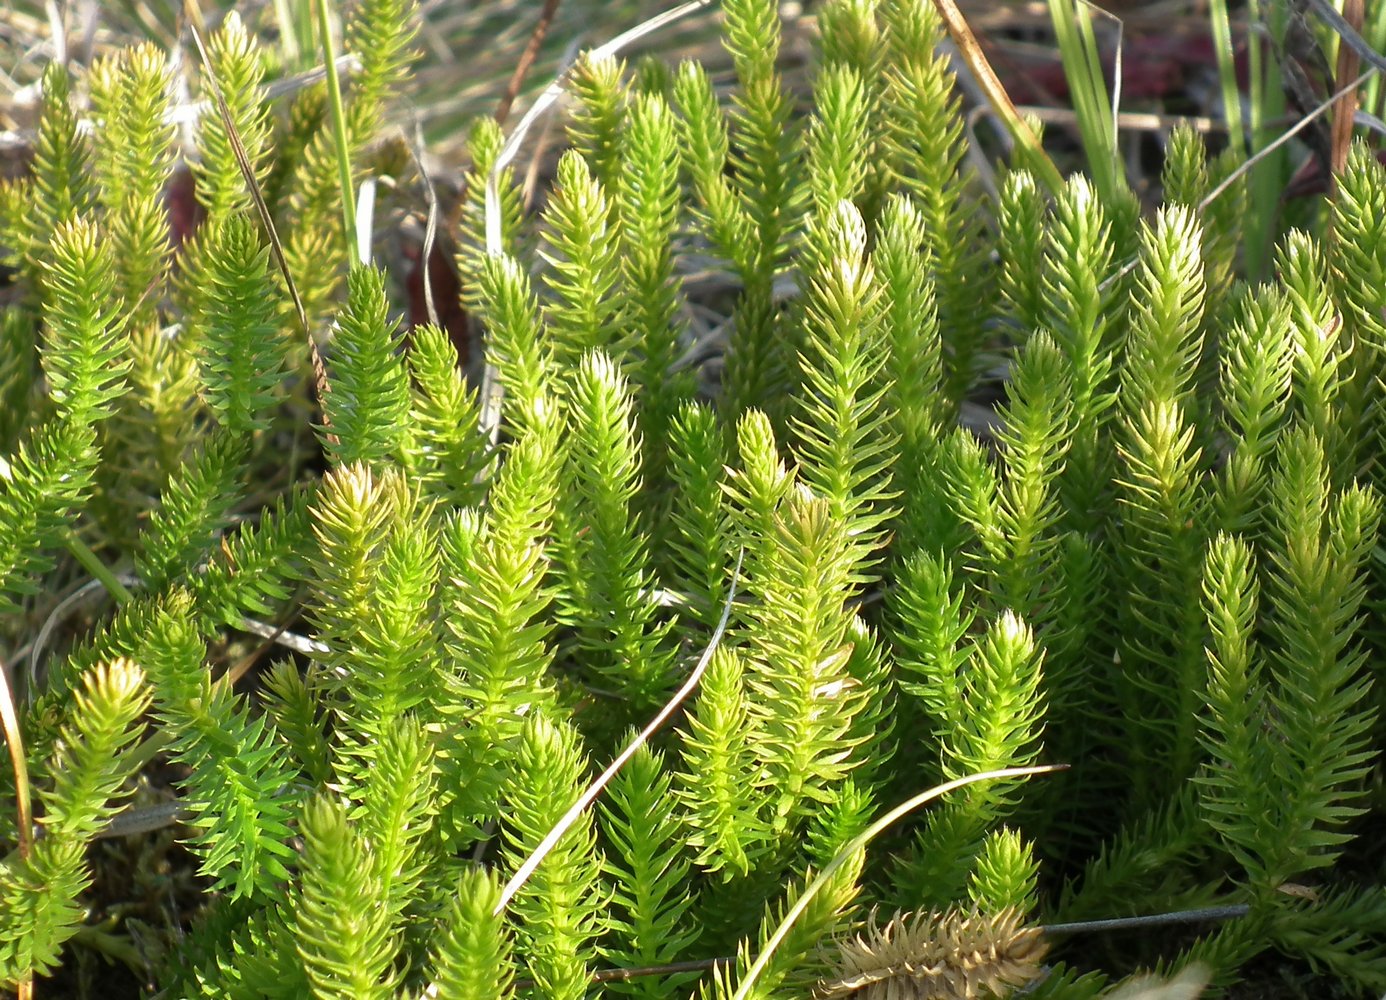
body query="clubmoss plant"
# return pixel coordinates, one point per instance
(366, 643)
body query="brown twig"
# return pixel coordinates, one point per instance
(527, 57)
(1353, 50)
(1345, 108)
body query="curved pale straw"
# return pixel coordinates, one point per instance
(858, 842)
(589, 796)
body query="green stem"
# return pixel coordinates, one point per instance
(288, 35)
(1082, 62)
(1227, 76)
(98, 569)
(159, 741)
(339, 128)
(1269, 176)
(112, 946)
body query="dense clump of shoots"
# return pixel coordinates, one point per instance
(367, 640)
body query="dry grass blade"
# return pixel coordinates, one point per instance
(87, 593)
(1188, 984)
(1245, 167)
(14, 741)
(996, 95)
(512, 89)
(1348, 33)
(1133, 121)
(195, 23)
(191, 111)
(1206, 913)
(937, 956)
(1279, 141)
(416, 152)
(589, 796)
(57, 25)
(475, 48)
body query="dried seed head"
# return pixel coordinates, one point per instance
(933, 956)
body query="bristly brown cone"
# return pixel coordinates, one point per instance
(936, 956)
